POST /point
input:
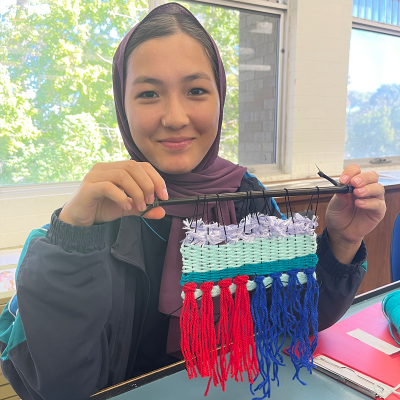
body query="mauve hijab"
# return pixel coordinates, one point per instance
(213, 175)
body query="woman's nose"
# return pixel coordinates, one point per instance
(175, 116)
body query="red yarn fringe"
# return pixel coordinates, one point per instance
(235, 334)
(241, 359)
(208, 342)
(225, 328)
(189, 323)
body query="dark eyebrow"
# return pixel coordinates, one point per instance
(147, 79)
(197, 75)
(158, 82)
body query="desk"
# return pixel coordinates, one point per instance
(319, 386)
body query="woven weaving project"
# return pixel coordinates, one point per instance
(268, 260)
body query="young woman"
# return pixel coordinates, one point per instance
(94, 289)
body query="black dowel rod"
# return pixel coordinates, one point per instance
(254, 195)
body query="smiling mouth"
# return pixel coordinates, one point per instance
(179, 143)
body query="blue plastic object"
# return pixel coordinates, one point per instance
(395, 251)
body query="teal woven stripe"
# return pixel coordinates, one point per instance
(267, 268)
(213, 258)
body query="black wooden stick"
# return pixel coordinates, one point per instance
(246, 195)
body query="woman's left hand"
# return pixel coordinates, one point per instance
(350, 217)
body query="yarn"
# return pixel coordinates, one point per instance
(311, 301)
(243, 353)
(259, 309)
(225, 328)
(294, 319)
(189, 323)
(280, 255)
(391, 310)
(208, 342)
(251, 285)
(278, 323)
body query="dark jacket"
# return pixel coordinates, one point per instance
(86, 295)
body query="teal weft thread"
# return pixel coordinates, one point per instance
(391, 310)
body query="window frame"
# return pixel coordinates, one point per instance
(386, 29)
(377, 27)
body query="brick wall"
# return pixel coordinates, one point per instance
(257, 88)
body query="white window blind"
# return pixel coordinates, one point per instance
(384, 11)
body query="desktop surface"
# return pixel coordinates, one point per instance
(319, 386)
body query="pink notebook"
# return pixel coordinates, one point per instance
(336, 344)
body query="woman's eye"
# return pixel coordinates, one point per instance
(196, 91)
(148, 95)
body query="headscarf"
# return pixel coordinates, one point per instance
(213, 175)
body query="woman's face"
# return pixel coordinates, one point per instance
(172, 102)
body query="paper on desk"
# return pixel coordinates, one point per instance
(374, 342)
(372, 387)
(7, 280)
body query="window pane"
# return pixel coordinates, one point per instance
(375, 10)
(361, 9)
(382, 11)
(395, 14)
(373, 110)
(57, 116)
(355, 8)
(369, 9)
(248, 44)
(389, 6)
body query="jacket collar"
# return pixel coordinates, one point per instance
(129, 247)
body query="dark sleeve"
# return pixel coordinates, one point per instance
(338, 282)
(64, 298)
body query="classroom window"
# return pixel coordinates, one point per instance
(57, 113)
(58, 116)
(373, 107)
(385, 11)
(248, 43)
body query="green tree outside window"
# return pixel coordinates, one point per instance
(57, 115)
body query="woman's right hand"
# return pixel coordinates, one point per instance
(103, 194)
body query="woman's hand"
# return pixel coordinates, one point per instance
(103, 194)
(350, 217)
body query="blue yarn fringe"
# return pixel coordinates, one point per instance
(295, 328)
(259, 310)
(311, 301)
(278, 318)
(287, 316)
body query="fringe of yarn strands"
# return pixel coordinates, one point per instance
(262, 335)
(225, 328)
(285, 315)
(189, 323)
(294, 319)
(251, 334)
(243, 352)
(311, 303)
(278, 323)
(208, 341)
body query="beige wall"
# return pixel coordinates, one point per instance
(22, 210)
(317, 75)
